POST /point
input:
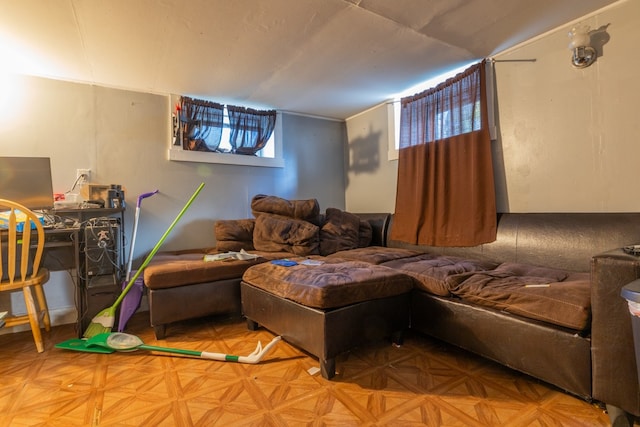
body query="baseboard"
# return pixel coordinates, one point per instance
(59, 316)
(63, 316)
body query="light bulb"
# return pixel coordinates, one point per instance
(579, 36)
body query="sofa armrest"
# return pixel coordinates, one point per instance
(614, 377)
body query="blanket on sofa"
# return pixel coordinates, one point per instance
(551, 295)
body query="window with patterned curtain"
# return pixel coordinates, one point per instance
(200, 124)
(250, 129)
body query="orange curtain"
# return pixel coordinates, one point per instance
(445, 194)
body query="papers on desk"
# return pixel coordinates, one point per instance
(242, 255)
(3, 314)
(20, 219)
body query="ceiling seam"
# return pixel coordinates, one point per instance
(82, 40)
(411, 29)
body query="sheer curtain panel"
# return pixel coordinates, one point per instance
(250, 129)
(201, 124)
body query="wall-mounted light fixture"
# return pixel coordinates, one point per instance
(583, 54)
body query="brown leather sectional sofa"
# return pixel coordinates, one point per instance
(597, 362)
(587, 350)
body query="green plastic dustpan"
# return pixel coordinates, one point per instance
(79, 344)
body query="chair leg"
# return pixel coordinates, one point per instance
(33, 318)
(44, 308)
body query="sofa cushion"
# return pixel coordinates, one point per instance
(516, 269)
(330, 285)
(432, 271)
(276, 233)
(234, 234)
(340, 231)
(550, 295)
(374, 254)
(181, 268)
(308, 210)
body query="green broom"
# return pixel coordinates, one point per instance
(103, 321)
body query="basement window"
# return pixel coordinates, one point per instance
(393, 108)
(214, 145)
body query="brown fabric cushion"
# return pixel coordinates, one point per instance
(169, 270)
(308, 210)
(181, 268)
(234, 235)
(339, 232)
(329, 285)
(517, 269)
(374, 254)
(275, 233)
(432, 271)
(550, 295)
(365, 234)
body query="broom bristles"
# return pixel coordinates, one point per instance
(101, 323)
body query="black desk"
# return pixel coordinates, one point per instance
(67, 248)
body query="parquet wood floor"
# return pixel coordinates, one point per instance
(423, 382)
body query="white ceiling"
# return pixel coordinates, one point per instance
(332, 58)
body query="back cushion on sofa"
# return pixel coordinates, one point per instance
(234, 234)
(340, 231)
(365, 234)
(307, 210)
(276, 233)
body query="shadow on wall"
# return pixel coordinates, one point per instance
(499, 171)
(364, 153)
(187, 234)
(599, 37)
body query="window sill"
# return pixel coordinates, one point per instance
(180, 155)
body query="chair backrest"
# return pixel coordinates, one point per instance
(21, 242)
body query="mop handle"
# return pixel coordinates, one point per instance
(169, 350)
(157, 246)
(202, 354)
(144, 196)
(135, 230)
(253, 358)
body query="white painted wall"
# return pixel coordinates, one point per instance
(567, 137)
(122, 136)
(371, 177)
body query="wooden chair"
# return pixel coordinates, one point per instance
(21, 246)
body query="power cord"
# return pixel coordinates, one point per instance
(82, 178)
(105, 249)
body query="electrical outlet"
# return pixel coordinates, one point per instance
(85, 172)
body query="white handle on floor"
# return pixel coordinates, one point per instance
(253, 358)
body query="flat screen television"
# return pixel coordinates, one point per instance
(27, 180)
